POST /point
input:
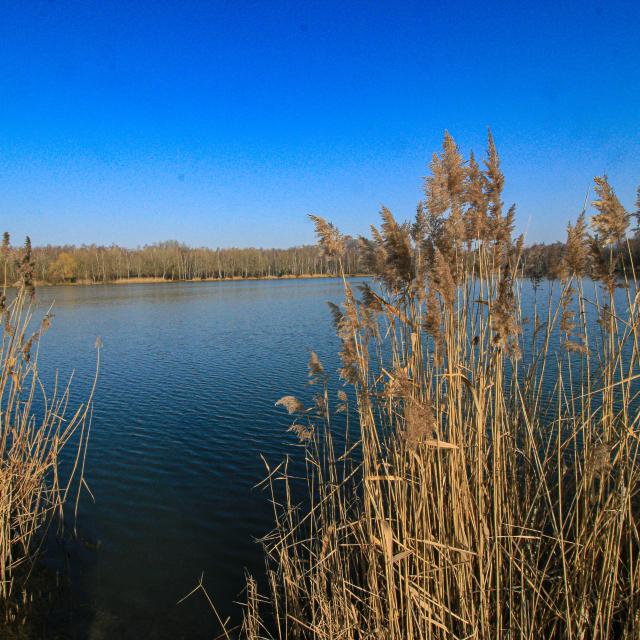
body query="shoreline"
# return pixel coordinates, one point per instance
(158, 280)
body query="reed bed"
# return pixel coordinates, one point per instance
(36, 426)
(489, 488)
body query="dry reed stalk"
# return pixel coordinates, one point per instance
(492, 490)
(32, 438)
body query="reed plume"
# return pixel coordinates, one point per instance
(611, 221)
(476, 221)
(490, 486)
(576, 258)
(329, 238)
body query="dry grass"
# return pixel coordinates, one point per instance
(491, 488)
(35, 427)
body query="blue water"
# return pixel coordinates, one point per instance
(184, 407)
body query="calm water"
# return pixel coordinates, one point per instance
(184, 408)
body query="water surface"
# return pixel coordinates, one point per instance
(184, 407)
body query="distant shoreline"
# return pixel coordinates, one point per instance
(154, 280)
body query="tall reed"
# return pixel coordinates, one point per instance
(36, 425)
(490, 486)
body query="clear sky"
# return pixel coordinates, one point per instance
(224, 123)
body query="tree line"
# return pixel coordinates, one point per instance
(169, 261)
(172, 260)
(542, 260)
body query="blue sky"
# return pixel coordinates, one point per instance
(224, 123)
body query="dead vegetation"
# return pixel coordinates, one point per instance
(36, 426)
(490, 486)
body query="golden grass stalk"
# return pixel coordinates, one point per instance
(490, 487)
(33, 433)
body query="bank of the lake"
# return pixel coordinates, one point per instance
(160, 280)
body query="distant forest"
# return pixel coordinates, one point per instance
(545, 260)
(169, 261)
(173, 261)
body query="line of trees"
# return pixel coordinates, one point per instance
(173, 260)
(547, 260)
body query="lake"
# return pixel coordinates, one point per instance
(184, 409)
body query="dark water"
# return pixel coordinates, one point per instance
(184, 406)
